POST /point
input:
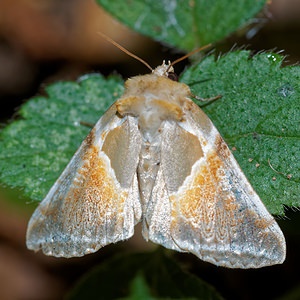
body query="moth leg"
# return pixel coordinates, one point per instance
(91, 125)
(205, 99)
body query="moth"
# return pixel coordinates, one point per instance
(155, 157)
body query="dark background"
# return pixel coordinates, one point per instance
(42, 42)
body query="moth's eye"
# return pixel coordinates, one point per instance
(172, 76)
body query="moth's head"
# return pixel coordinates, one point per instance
(166, 71)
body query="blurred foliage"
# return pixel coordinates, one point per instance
(144, 276)
(181, 23)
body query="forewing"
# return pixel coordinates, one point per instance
(176, 144)
(214, 213)
(95, 200)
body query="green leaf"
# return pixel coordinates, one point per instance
(258, 115)
(35, 150)
(138, 289)
(146, 276)
(185, 24)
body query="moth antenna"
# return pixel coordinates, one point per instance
(125, 50)
(187, 55)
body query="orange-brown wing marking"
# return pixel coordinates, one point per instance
(95, 198)
(87, 207)
(218, 216)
